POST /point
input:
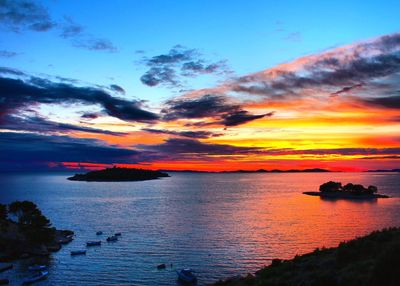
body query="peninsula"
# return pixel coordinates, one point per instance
(371, 260)
(335, 190)
(29, 233)
(117, 174)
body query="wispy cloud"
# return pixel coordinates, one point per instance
(26, 15)
(7, 54)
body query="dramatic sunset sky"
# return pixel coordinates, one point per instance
(199, 85)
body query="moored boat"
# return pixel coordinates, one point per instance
(186, 275)
(99, 233)
(93, 243)
(37, 277)
(117, 234)
(78, 252)
(112, 238)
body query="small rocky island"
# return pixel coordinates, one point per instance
(117, 174)
(25, 232)
(335, 190)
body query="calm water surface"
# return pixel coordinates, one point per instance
(218, 224)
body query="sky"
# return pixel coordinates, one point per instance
(199, 85)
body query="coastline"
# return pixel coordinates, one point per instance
(15, 245)
(370, 260)
(343, 195)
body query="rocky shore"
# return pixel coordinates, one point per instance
(15, 245)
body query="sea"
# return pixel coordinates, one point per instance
(218, 224)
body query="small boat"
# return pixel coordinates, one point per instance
(186, 275)
(112, 238)
(99, 233)
(161, 266)
(93, 243)
(78, 252)
(37, 277)
(118, 234)
(37, 267)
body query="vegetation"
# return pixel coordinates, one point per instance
(3, 212)
(25, 230)
(372, 260)
(119, 174)
(349, 188)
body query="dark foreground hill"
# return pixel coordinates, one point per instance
(119, 174)
(372, 260)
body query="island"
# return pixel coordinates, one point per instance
(372, 260)
(26, 232)
(117, 174)
(335, 190)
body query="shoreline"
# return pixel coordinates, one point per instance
(14, 245)
(370, 260)
(343, 195)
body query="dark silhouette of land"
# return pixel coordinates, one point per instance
(315, 170)
(385, 171)
(372, 260)
(116, 174)
(335, 190)
(31, 234)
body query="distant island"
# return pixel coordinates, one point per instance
(29, 233)
(385, 171)
(372, 260)
(335, 190)
(316, 170)
(117, 174)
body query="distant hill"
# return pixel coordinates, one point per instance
(384, 171)
(316, 170)
(118, 174)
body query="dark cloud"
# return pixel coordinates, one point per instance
(169, 69)
(11, 71)
(160, 75)
(90, 115)
(201, 134)
(346, 89)
(20, 150)
(240, 117)
(387, 101)
(117, 88)
(7, 54)
(18, 15)
(209, 106)
(18, 93)
(364, 63)
(42, 125)
(191, 147)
